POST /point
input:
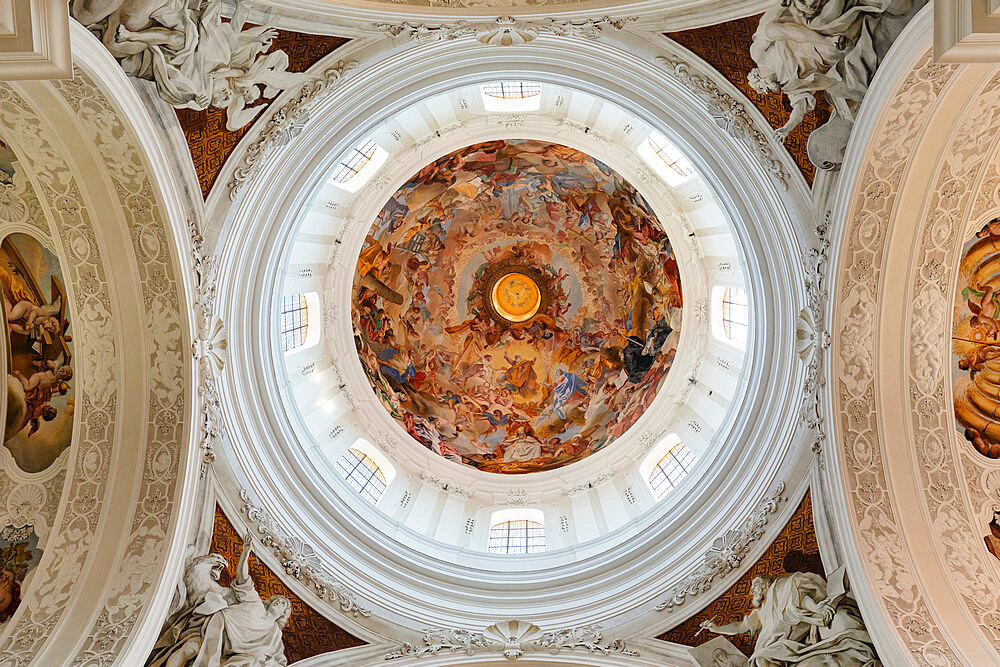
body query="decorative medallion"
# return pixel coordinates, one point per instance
(514, 296)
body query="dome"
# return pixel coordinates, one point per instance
(516, 306)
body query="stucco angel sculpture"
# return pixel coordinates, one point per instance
(800, 620)
(195, 59)
(803, 47)
(216, 625)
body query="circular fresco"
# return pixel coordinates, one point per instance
(516, 306)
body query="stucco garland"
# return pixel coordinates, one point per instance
(863, 467)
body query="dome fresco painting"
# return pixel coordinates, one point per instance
(516, 306)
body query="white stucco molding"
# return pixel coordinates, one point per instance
(34, 40)
(360, 18)
(966, 31)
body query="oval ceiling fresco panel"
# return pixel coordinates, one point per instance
(516, 306)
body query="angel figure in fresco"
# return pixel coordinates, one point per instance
(50, 373)
(520, 376)
(496, 419)
(975, 360)
(991, 228)
(575, 446)
(26, 317)
(14, 562)
(567, 387)
(984, 310)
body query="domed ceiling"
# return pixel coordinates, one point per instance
(516, 306)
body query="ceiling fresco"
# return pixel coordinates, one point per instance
(975, 333)
(516, 306)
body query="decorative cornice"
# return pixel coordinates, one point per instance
(650, 438)
(730, 114)
(726, 552)
(585, 129)
(504, 30)
(517, 496)
(444, 485)
(299, 559)
(285, 124)
(437, 134)
(592, 483)
(513, 639)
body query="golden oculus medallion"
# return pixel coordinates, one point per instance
(516, 297)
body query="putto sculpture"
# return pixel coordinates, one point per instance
(195, 59)
(803, 47)
(215, 625)
(799, 618)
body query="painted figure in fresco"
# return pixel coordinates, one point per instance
(607, 270)
(377, 271)
(28, 318)
(567, 386)
(975, 359)
(524, 446)
(50, 373)
(639, 354)
(10, 594)
(14, 562)
(39, 395)
(982, 303)
(974, 338)
(520, 376)
(496, 419)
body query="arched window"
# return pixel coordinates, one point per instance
(512, 90)
(294, 321)
(511, 96)
(300, 328)
(734, 315)
(730, 315)
(362, 473)
(358, 165)
(354, 162)
(517, 532)
(666, 159)
(671, 469)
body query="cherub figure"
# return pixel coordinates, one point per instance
(991, 228)
(25, 316)
(52, 374)
(980, 305)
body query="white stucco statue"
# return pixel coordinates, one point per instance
(217, 626)
(803, 47)
(195, 59)
(799, 620)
